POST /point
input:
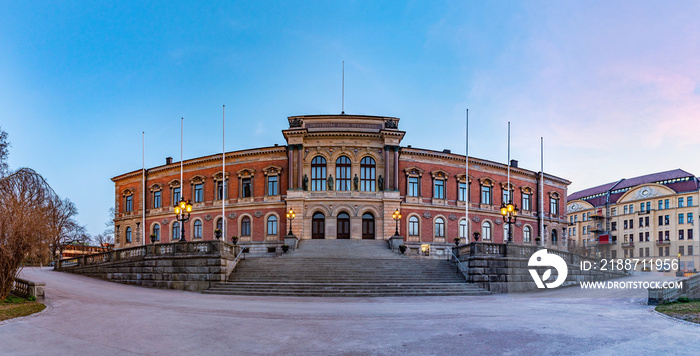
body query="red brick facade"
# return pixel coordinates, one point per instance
(334, 137)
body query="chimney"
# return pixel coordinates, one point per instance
(446, 151)
(168, 160)
(514, 163)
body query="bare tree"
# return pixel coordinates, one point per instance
(60, 226)
(24, 202)
(4, 152)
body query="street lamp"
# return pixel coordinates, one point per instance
(183, 209)
(290, 217)
(396, 216)
(510, 213)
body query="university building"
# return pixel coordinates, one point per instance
(343, 176)
(646, 217)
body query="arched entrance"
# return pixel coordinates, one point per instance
(318, 226)
(343, 226)
(367, 226)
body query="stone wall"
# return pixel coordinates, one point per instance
(503, 268)
(190, 266)
(691, 290)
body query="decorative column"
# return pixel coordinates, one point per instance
(396, 167)
(290, 165)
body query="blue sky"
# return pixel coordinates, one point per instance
(612, 86)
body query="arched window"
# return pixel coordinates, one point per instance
(554, 237)
(367, 226)
(413, 226)
(463, 230)
(156, 231)
(367, 174)
(128, 235)
(176, 232)
(220, 224)
(318, 173)
(439, 227)
(527, 234)
(198, 229)
(486, 230)
(342, 173)
(272, 225)
(506, 228)
(245, 226)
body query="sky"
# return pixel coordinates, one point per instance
(611, 86)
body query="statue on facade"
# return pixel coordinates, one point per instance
(305, 186)
(295, 123)
(356, 182)
(390, 124)
(330, 182)
(380, 183)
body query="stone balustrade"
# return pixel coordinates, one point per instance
(192, 265)
(691, 290)
(26, 288)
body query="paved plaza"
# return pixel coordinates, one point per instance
(93, 317)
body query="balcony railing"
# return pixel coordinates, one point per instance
(663, 242)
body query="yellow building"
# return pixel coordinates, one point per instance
(651, 217)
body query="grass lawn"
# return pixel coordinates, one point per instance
(15, 307)
(688, 311)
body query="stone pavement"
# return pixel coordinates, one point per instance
(93, 317)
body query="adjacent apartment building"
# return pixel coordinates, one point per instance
(647, 217)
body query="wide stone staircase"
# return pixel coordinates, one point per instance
(345, 268)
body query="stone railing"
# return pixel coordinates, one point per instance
(690, 289)
(25, 288)
(517, 251)
(214, 248)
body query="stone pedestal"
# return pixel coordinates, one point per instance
(291, 241)
(395, 241)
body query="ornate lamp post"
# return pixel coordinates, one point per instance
(290, 217)
(396, 216)
(510, 213)
(183, 209)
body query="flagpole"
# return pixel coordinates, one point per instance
(143, 181)
(466, 180)
(223, 176)
(541, 204)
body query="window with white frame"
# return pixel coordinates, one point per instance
(486, 230)
(413, 226)
(272, 225)
(439, 227)
(197, 230)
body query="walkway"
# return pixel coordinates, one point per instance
(89, 316)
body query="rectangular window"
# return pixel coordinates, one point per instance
(641, 237)
(272, 185)
(641, 207)
(505, 197)
(690, 218)
(646, 221)
(613, 254)
(631, 224)
(690, 234)
(690, 201)
(176, 195)
(646, 236)
(553, 206)
(667, 219)
(462, 193)
(584, 230)
(157, 203)
(648, 206)
(626, 253)
(661, 251)
(439, 192)
(690, 250)
(631, 253)
(626, 209)
(575, 218)
(681, 250)
(625, 224)
(666, 251)
(614, 211)
(680, 218)
(246, 187)
(667, 204)
(661, 204)
(574, 231)
(527, 203)
(661, 235)
(613, 226)
(680, 234)
(646, 250)
(641, 252)
(485, 195)
(129, 203)
(680, 202)
(641, 222)
(413, 189)
(220, 190)
(198, 193)
(631, 209)
(666, 235)
(661, 220)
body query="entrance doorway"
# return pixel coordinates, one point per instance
(367, 226)
(318, 226)
(343, 226)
